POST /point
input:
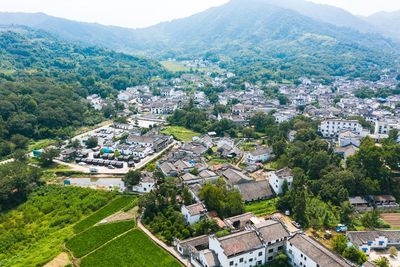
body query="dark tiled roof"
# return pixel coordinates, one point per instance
(317, 252)
(240, 242)
(362, 237)
(255, 190)
(271, 230)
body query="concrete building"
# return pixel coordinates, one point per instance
(278, 178)
(332, 127)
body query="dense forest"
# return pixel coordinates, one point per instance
(43, 82)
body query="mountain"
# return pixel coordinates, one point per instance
(271, 41)
(262, 39)
(387, 23)
(43, 82)
(85, 33)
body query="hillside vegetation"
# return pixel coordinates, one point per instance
(33, 233)
(43, 82)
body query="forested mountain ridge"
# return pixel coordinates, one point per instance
(260, 39)
(274, 43)
(43, 82)
(388, 23)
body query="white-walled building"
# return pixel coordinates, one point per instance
(146, 184)
(194, 213)
(370, 240)
(260, 154)
(304, 251)
(276, 179)
(332, 127)
(347, 138)
(384, 127)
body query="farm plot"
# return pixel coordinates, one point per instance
(391, 218)
(116, 205)
(263, 207)
(96, 236)
(132, 249)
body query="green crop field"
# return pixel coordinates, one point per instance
(180, 133)
(261, 208)
(96, 236)
(33, 233)
(116, 205)
(133, 249)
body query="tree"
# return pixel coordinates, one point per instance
(48, 155)
(393, 251)
(370, 219)
(20, 141)
(132, 178)
(187, 196)
(382, 262)
(355, 255)
(92, 142)
(339, 243)
(205, 226)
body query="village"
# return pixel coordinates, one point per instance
(145, 141)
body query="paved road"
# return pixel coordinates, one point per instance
(169, 249)
(6, 161)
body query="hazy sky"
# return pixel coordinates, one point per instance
(141, 13)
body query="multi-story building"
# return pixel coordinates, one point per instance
(278, 178)
(369, 240)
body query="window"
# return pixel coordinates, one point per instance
(280, 248)
(270, 258)
(271, 250)
(259, 262)
(241, 260)
(251, 259)
(260, 253)
(231, 263)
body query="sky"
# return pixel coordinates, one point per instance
(142, 13)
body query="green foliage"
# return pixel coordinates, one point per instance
(364, 92)
(92, 142)
(132, 249)
(116, 205)
(48, 155)
(205, 226)
(355, 255)
(225, 202)
(180, 133)
(43, 222)
(339, 243)
(281, 260)
(382, 262)
(263, 207)
(132, 178)
(17, 181)
(96, 236)
(42, 94)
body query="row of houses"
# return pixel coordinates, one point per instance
(258, 243)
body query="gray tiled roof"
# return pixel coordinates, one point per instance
(362, 237)
(317, 252)
(240, 242)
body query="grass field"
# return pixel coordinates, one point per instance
(133, 249)
(174, 66)
(35, 145)
(94, 237)
(262, 208)
(180, 133)
(116, 205)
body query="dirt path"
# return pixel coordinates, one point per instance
(120, 216)
(171, 250)
(60, 261)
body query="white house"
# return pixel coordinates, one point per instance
(244, 249)
(370, 240)
(146, 184)
(306, 252)
(384, 127)
(193, 213)
(260, 154)
(330, 128)
(276, 179)
(347, 138)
